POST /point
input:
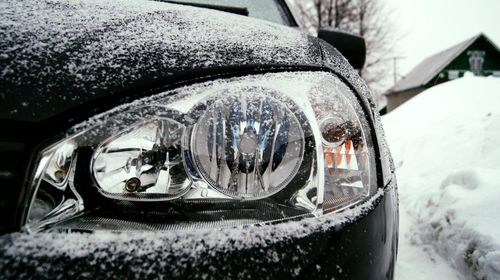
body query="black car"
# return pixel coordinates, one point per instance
(188, 139)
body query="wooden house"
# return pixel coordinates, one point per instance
(478, 55)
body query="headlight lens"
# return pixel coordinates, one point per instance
(346, 150)
(247, 145)
(231, 152)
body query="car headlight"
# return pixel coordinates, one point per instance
(229, 152)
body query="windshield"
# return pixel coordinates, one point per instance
(268, 10)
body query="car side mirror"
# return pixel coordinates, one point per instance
(352, 47)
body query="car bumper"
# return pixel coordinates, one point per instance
(343, 247)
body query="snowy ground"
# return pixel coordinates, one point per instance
(446, 147)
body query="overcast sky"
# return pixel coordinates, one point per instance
(426, 27)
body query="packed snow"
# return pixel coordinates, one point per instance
(445, 146)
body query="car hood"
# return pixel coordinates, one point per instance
(56, 56)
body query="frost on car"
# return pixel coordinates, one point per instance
(160, 140)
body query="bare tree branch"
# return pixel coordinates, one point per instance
(367, 18)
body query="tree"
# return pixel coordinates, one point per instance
(367, 18)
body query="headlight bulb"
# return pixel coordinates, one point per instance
(145, 160)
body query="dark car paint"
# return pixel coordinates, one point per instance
(27, 89)
(372, 256)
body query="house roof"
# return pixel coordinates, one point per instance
(431, 66)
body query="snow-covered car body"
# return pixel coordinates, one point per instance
(69, 65)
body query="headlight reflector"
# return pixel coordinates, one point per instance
(143, 162)
(348, 161)
(248, 146)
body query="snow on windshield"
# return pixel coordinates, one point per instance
(263, 9)
(445, 143)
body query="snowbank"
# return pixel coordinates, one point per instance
(445, 144)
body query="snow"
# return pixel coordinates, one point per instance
(445, 147)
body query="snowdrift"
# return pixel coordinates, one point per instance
(446, 147)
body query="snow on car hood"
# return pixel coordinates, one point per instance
(55, 55)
